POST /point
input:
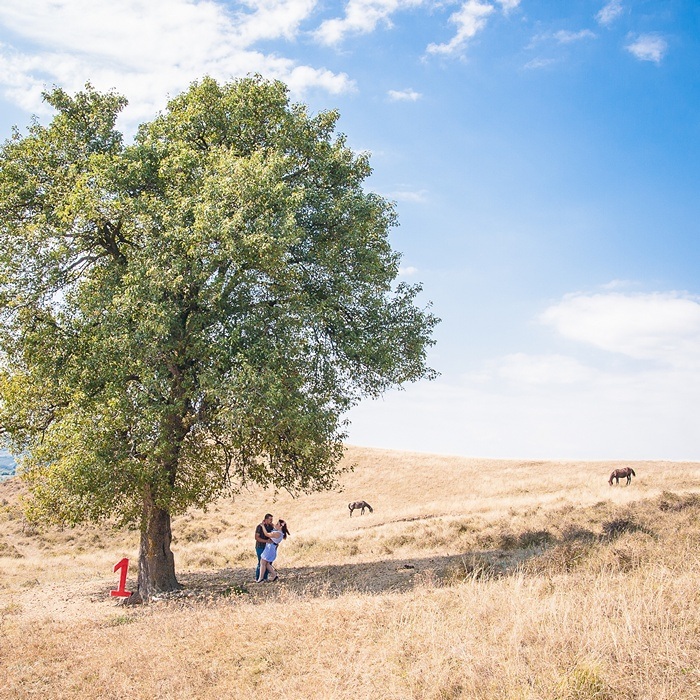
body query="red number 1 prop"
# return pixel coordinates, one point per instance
(124, 566)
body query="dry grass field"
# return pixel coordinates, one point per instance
(474, 579)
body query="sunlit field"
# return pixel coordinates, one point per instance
(478, 579)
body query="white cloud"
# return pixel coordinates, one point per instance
(508, 5)
(664, 327)
(542, 369)
(610, 12)
(563, 36)
(409, 95)
(361, 17)
(415, 196)
(648, 47)
(408, 271)
(537, 63)
(566, 37)
(617, 284)
(302, 78)
(470, 19)
(644, 416)
(556, 406)
(148, 50)
(271, 19)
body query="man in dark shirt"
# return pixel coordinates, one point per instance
(261, 539)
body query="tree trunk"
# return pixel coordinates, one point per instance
(156, 561)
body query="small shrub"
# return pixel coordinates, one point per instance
(351, 548)
(584, 683)
(462, 526)
(471, 568)
(561, 559)
(574, 533)
(307, 544)
(400, 540)
(631, 551)
(9, 550)
(241, 557)
(119, 620)
(507, 540)
(11, 609)
(534, 538)
(487, 541)
(196, 534)
(236, 590)
(612, 529)
(673, 502)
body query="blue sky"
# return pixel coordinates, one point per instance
(544, 158)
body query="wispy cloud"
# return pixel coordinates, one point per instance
(648, 47)
(408, 271)
(542, 369)
(617, 284)
(609, 12)
(361, 17)
(663, 327)
(567, 37)
(147, 50)
(415, 196)
(408, 95)
(563, 36)
(537, 63)
(470, 19)
(508, 5)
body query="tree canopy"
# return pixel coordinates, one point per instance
(192, 311)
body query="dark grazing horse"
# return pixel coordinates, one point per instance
(360, 505)
(621, 474)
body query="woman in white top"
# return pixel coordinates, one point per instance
(270, 552)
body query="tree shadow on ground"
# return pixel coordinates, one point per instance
(387, 576)
(530, 552)
(526, 552)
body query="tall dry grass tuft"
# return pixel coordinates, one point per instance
(472, 579)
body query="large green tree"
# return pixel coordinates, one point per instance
(194, 311)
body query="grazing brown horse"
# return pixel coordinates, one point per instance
(621, 474)
(361, 505)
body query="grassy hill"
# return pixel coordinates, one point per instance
(471, 579)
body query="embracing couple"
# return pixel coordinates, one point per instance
(267, 539)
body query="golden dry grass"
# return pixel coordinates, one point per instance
(474, 579)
